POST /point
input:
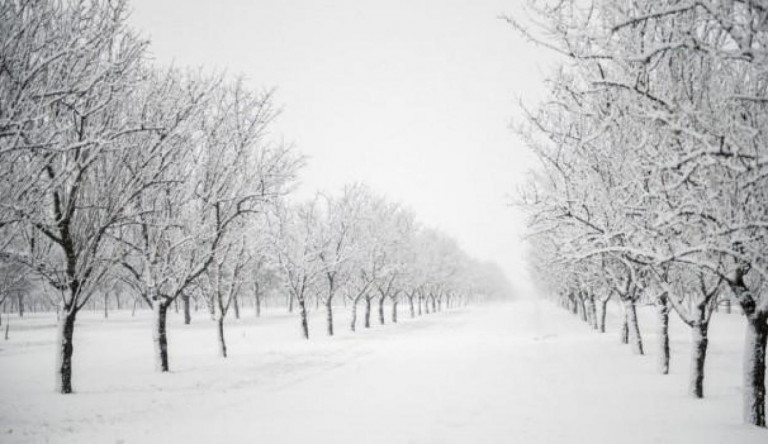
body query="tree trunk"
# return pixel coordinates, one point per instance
(220, 336)
(625, 328)
(434, 305)
(236, 306)
(211, 307)
(634, 329)
(394, 312)
(662, 307)
(304, 322)
(257, 303)
(381, 310)
(593, 312)
(329, 316)
(135, 303)
(411, 308)
(290, 303)
(367, 313)
(106, 305)
(583, 310)
(603, 312)
(160, 338)
(65, 349)
(574, 304)
(187, 313)
(353, 321)
(754, 369)
(20, 298)
(728, 306)
(698, 355)
(419, 305)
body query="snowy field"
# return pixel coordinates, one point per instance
(522, 372)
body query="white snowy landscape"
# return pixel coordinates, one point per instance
(369, 221)
(524, 371)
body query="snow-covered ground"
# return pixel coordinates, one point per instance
(521, 372)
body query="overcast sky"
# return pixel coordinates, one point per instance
(413, 97)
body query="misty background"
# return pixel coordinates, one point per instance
(415, 98)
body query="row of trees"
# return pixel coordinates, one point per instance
(164, 182)
(371, 251)
(108, 162)
(654, 179)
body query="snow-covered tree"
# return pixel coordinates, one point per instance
(68, 77)
(652, 140)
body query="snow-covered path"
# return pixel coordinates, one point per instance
(514, 373)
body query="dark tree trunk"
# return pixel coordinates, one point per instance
(211, 307)
(236, 306)
(625, 327)
(220, 336)
(367, 313)
(65, 350)
(304, 322)
(257, 302)
(662, 307)
(135, 304)
(106, 305)
(185, 305)
(574, 304)
(698, 356)
(394, 312)
(420, 298)
(434, 305)
(353, 321)
(117, 300)
(634, 329)
(160, 337)
(411, 308)
(20, 298)
(329, 316)
(381, 310)
(583, 310)
(603, 312)
(290, 303)
(728, 306)
(754, 369)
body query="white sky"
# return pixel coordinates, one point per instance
(413, 97)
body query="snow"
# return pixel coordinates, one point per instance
(524, 372)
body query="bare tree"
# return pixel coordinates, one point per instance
(68, 133)
(295, 248)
